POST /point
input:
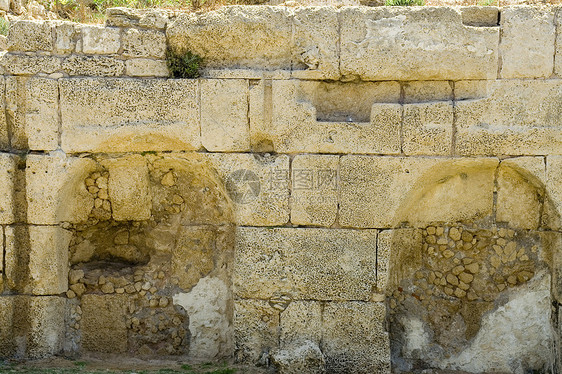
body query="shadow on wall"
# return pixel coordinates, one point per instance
(472, 272)
(150, 259)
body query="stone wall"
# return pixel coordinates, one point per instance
(343, 190)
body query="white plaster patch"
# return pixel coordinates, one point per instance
(417, 339)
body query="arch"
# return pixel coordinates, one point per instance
(471, 270)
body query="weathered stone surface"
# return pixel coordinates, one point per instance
(102, 66)
(30, 36)
(301, 263)
(144, 67)
(480, 16)
(4, 138)
(321, 117)
(100, 40)
(421, 91)
(305, 357)
(37, 259)
(472, 89)
(558, 46)
(399, 43)
(224, 115)
(256, 330)
(3, 43)
(235, 36)
(382, 192)
(32, 109)
(55, 190)
(428, 128)
(314, 199)
(29, 65)
(301, 321)
(66, 36)
(144, 43)
(521, 192)
(121, 115)
(520, 117)
(104, 324)
(388, 243)
(257, 185)
(211, 331)
(7, 344)
(554, 188)
(127, 17)
(527, 42)
(354, 338)
(315, 38)
(7, 188)
(128, 188)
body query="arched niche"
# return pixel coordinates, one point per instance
(150, 259)
(472, 275)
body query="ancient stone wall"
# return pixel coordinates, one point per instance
(343, 190)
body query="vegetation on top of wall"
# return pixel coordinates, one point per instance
(183, 66)
(404, 2)
(4, 26)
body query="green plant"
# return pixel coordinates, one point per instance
(4, 26)
(186, 66)
(404, 2)
(488, 3)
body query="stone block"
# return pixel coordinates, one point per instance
(300, 321)
(428, 128)
(256, 329)
(127, 17)
(100, 40)
(104, 323)
(30, 36)
(32, 113)
(324, 117)
(314, 192)
(7, 188)
(257, 185)
(422, 91)
(554, 189)
(305, 357)
(235, 36)
(4, 138)
(224, 115)
(520, 195)
(7, 344)
(558, 46)
(385, 43)
(37, 259)
(260, 114)
(4, 43)
(54, 189)
(527, 42)
(29, 64)
(128, 187)
(66, 36)
(473, 89)
(101, 66)
(144, 43)
(383, 192)
(480, 16)
(144, 67)
(124, 115)
(354, 338)
(519, 117)
(315, 38)
(304, 264)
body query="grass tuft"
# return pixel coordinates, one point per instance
(186, 66)
(404, 2)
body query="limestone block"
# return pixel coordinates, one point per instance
(29, 65)
(301, 321)
(385, 43)
(127, 17)
(32, 112)
(101, 66)
(7, 188)
(54, 189)
(256, 329)
(37, 259)
(305, 357)
(527, 42)
(235, 36)
(128, 188)
(144, 67)
(100, 40)
(428, 128)
(66, 34)
(323, 117)
(104, 323)
(521, 192)
(473, 89)
(558, 46)
(354, 338)
(5, 5)
(257, 185)
(30, 36)
(304, 264)
(382, 192)
(3, 43)
(7, 344)
(480, 16)
(260, 115)
(144, 43)
(124, 115)
(4, 138)
(553, 240)
(224, 115)
(519, 117)
(421, 91)
(316, 36)
(554, 189)
(314, 192)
